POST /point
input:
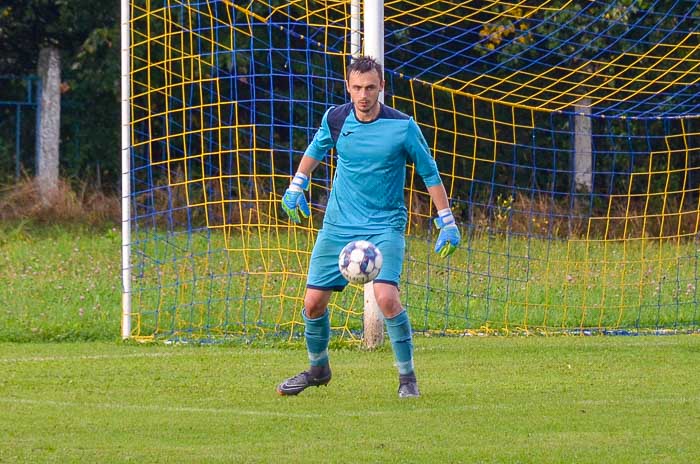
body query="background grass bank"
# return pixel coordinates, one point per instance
(59, 283)
(63, 283)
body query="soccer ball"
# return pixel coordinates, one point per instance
(360, 262)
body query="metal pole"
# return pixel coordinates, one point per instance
(355, 25)
(18, 140)
(373, 330)
(374, 32)
(126, 172)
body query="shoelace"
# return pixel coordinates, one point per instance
(301, 376)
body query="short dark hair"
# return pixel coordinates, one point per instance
(363, 64)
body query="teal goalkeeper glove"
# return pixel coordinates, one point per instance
(448, 240)
(294, 201)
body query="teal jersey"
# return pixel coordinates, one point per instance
(368, 186)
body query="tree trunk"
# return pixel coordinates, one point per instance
(49, 127)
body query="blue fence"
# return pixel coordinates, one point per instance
(19, 112)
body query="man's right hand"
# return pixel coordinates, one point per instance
(294, 201)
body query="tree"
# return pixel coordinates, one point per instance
(59, 39)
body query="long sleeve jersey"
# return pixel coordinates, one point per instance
(368, 186)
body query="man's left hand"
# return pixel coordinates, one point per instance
(448, 240)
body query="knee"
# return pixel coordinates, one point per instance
(389, 304)
(314, 308)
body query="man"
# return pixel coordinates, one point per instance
(373, 143)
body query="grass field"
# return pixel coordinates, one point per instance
(485, 399)
(70, 391)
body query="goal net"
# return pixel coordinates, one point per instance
(567, 135)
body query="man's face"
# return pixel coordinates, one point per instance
(364, 89)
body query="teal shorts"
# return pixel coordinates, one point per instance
(323, 268)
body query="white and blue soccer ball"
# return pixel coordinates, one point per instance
(360, 262)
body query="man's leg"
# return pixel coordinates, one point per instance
(398, 326)
(317, 332)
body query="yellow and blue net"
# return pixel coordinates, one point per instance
(567, 135)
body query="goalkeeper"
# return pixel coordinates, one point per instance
(373, 143)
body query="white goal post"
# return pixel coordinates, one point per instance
(126, 172)
(373, 322)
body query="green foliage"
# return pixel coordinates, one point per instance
(91, 140)
(28, 25)
(564, 33)
(88, 37)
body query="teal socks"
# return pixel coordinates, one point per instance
(401, 336)
(318, 333)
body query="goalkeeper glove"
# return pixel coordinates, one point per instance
(448, 240)
(294, 201)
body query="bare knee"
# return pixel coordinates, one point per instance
(388, 300)
(316, 302)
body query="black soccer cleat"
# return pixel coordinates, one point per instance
(300, 382)
(408, 386)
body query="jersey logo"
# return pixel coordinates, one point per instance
(345, 134)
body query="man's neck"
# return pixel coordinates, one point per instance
(369, 116)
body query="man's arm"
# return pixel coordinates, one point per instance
(418, 150)
(439, 197)
(294, 202)
(307, 165)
